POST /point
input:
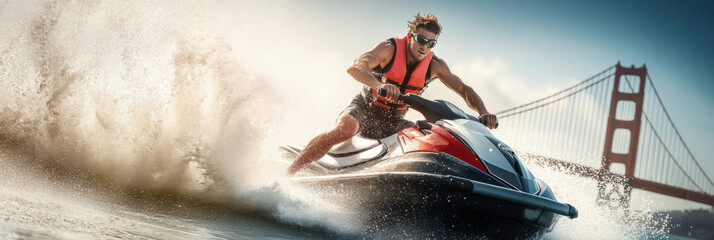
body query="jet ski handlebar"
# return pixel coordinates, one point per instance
(382, 92)
(432, 110)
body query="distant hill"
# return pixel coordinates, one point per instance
(697, 223)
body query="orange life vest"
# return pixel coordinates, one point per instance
(408, 82)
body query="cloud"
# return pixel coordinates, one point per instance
(499, 86)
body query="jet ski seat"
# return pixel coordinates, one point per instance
(354, 151)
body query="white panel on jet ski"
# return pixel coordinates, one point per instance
(354, 159)
(354, 144)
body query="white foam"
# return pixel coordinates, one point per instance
(143, 95)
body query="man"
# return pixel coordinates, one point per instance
(399, 66)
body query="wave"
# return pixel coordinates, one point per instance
(140, 96)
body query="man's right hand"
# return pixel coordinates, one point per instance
(392, 91)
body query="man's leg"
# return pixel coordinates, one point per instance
(346, 127)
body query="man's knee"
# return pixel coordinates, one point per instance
(347, 127)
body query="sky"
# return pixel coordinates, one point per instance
(510, 52)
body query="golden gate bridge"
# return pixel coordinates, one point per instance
(614, 128)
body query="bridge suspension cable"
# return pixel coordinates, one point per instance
(512, 111)
(687, 168)
(569, 127)
(568, 124)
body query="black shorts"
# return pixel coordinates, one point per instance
(376, 122)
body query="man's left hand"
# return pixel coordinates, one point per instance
(491, 120)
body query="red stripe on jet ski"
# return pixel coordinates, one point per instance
(437, 140)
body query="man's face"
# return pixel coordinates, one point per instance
(417, 50)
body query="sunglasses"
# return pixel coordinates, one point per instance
(430, 43)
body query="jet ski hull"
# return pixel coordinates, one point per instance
(430, 186)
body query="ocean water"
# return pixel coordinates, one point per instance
(132, 120)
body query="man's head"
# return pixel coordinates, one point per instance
(426, 29)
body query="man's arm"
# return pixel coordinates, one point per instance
(442, 71)
(362, 67)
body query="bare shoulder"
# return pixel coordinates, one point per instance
(383, 50)
(438, 67)
(383, 46)
(437, 61)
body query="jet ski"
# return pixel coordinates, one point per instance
(448, 170)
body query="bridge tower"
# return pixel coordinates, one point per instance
(617, 189)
